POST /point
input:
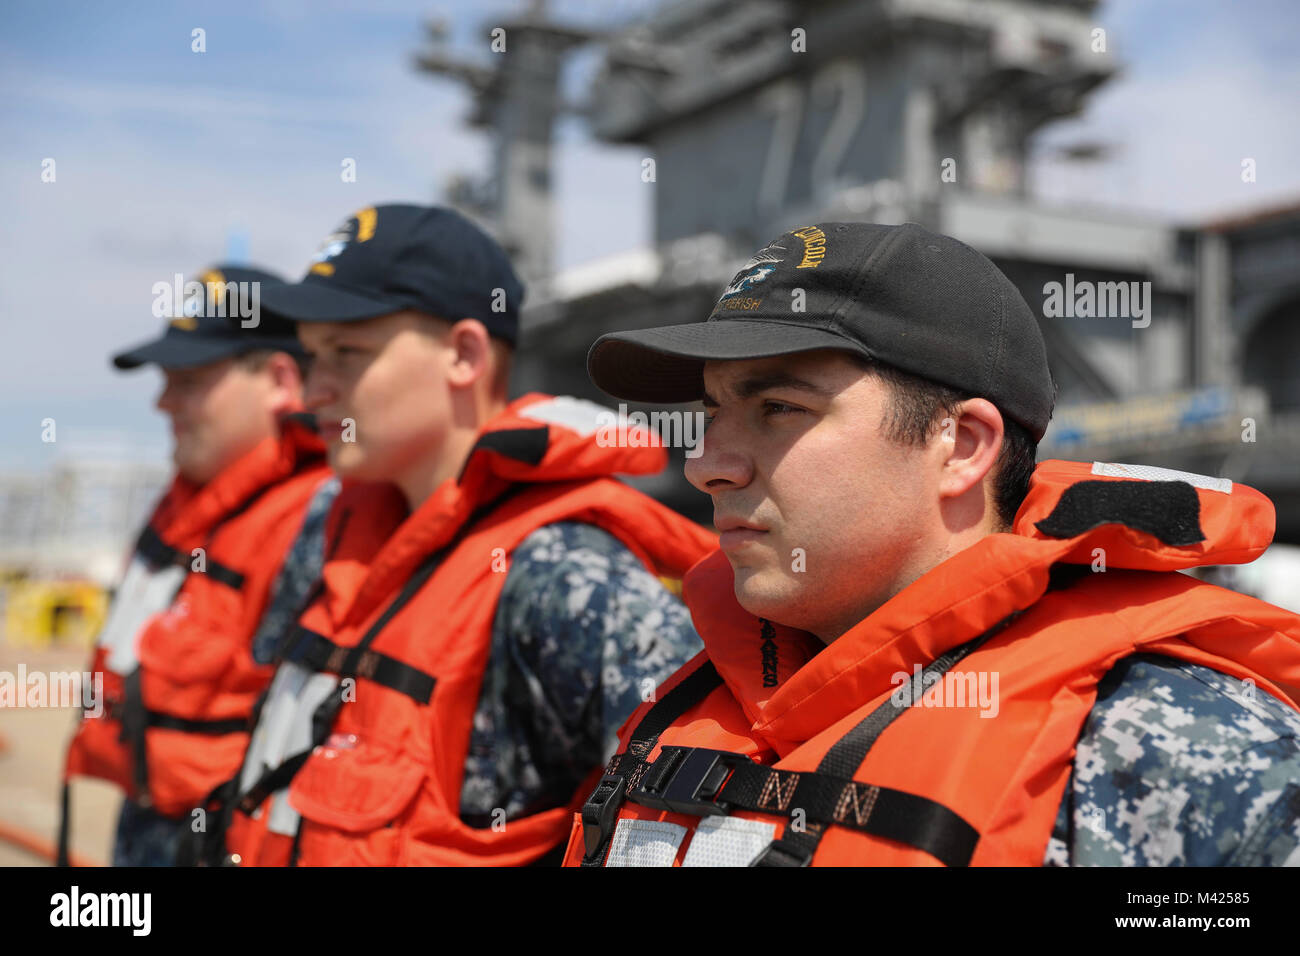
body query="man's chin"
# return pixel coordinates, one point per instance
(762, 592)
(189, 465)
(346, 461)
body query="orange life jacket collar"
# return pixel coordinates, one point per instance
(950, 604)
(511, 448)
(387, 789)
(995, 785)
(188, 512)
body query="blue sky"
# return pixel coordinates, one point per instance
(169, 160)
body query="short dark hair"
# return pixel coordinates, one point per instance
(917, 409)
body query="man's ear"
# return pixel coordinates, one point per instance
(971, 440)
(286, 383)
(471, 353)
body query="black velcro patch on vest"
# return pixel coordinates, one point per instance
(522, 444)
(1169, 510)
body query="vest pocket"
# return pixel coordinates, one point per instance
(184, 649)
(355, 786)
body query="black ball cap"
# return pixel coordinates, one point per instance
(900, 295)
(394, 257)
(220, 319)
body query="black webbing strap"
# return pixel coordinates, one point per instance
(65, 806)
(136, 719)
(206, 846)
(933, 830)
(209, 848)
(322, 720)
(277, 778)
(690, 784)
(699, 781)
(625, 770)
(210, 728)
(317, 652)
(273, 780)
(158, 552)
(846, 756)
(134, 722)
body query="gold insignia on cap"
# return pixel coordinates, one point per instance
(367, 219)
(814, 246)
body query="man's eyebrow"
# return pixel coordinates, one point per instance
(329, 335)
(756, 384)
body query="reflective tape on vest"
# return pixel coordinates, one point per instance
(728, 841)
(283, 731)
(144, 592)
(1113, 469)
(644, 843)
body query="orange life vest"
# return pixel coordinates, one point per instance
(179, 678)
(768, 748)
(410, 634)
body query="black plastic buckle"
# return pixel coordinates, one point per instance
(601, 810)
(783, 853)
(687, 780)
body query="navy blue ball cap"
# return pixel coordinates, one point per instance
(221, 318)
(394, 257)
(904, 296)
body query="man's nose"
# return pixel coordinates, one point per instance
(166, 401)
(722, 463)
(317, 390)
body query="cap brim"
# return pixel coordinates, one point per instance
(173, 353)
(319, 302)
(666, 364)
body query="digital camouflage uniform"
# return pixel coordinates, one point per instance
(1181, 765)
(1177, 764)
(582, 632)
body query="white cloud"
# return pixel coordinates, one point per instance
(1198, 93)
